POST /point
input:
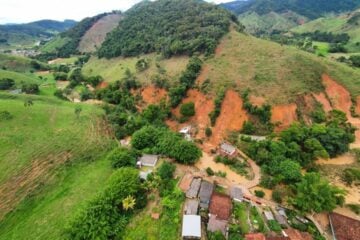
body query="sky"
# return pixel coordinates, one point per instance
(22, 11)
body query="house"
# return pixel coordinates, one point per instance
(193, 191)
(148, 160)
(227, 150)
(186, 132)
(215, 224)
(236, 194)
(344, 228)
(191, 228)
(280, 219)
(220, 206)
(206, 190)
(294, 234)
(268, 215)
(255, 236)
(191, 206)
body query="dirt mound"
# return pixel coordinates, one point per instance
(95, 36)
(338, 95)
(283, 116)
(153, 95)
(321, 98)
(232, 117)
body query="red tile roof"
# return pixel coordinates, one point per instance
(255, 236)
(220, 205)
(345, 228)
(294, 234)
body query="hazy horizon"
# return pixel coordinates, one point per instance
(20, 11)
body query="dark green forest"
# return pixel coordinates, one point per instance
(169, 27)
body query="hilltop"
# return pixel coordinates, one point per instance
(28, 34)
(84, 37)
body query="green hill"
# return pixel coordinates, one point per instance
(170, 27)
(345, 23)
(20, 64)
(14, 35)
(51, 162)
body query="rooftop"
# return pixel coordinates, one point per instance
(294, 234)
(191, 206)
(229, 149)
(194, 188)
(269, 215)
(191, 226)
(345, 228)
(220, 205)
(185, 182)
(236, 193)
(205, 193)
(255, 236)
(149, 160)
(217, 225)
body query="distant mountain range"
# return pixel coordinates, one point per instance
(28, 33)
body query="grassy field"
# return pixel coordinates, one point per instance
(334, 24)
(15, 63)
(20, 77)
(114, 69)
(322, 48)
(55, 43)
(277, 73)
(48, 161)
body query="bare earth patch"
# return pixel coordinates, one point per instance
(283, 116)
(345, 159)
(153, 95)
(321, 98)
(257, 101)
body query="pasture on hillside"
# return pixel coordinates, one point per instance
(50, 160)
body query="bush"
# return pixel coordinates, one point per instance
(5, 115)
(30, 88)
(210, 172)
(248, 128)
(166, 171)
(122, 157)
(274, 226)
(60, 75)
(217, 102)
(208, 132)
(6, 83)
(351, 175)
(277, 196)
(187, 109)
(259, 193)
(60, 94)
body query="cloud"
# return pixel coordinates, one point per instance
(19, 11)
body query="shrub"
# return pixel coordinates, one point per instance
(166, 171)
(210, 172)
(187, 109)
(277, 196)
(5, 115)
(59, 94)
(248, 128)
(208, 132)
(60, 75)
(274, 226)
(6, 83)
(122, 157)
(30, 88)
(259, 193)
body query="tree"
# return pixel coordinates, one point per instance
(28, 103)
(129, 203)
(166, 171)
(146, 137)
(208, 132)
(290, 171)
(6, 83)
(248, 128)
(30, 88)
(314, 194)
(77, 111)
(259, 193)
(187, 109)
(122, 157)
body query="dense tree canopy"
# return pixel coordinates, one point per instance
(169, 27)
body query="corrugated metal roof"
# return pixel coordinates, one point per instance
(191, 226)
(194, 188)
(206, 190)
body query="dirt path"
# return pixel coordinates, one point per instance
(345, 159)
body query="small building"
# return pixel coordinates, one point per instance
(148, 160)
(269, 215)
(236, 194)
(205, 193)
(193, 191)
(255, 236)
(344, 228)
(185, 182)
(220, 206)
(191, 206)
(280, 219)
(191, 228)
(215, 225)
(294, 234)
(186, 132)
(227, 150)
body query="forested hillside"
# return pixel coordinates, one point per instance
(168, 27)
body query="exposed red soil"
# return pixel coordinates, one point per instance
(232, 117)
(153, 95)
(339, 96)
(357, 108)
(283, 116)
(219, 49)
(321, 98)
(257, 101)
(203, 74)
(102, 85)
